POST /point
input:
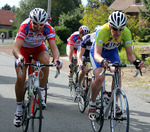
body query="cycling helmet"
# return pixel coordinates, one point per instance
(38, 15)
(84, 30)
(97, 28)
(117, 19)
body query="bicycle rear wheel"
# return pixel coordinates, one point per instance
(36, 120)
(120, 122)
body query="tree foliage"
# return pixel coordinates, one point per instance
(6, 7)
(71, 19)
(58, 7)
(95, 16)
(146, 15)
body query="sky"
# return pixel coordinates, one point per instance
(16, 2)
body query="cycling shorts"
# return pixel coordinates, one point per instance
(26, 52)
(112, 55)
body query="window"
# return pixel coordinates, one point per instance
(137, 1)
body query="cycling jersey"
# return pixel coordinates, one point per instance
(74, 40)
(86, 43)
(105, 39)
(31, 39)
(109, 44)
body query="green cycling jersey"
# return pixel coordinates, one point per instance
(105, 39)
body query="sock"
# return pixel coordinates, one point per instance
(19, 107)
(92, 103)
(41, 90)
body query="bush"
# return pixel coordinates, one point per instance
(145, 35)
(59, 43)
(63, 32)
(147, 38)
(123, 56)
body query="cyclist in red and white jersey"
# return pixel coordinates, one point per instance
(74, 42)
(31, 40)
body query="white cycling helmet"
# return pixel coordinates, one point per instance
(117, 19)
(84, 30)
(38, 15)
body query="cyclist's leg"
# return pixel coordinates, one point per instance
(41, 54)
(95, 87)
(19, 90)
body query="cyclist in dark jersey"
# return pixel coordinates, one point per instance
(83, 55)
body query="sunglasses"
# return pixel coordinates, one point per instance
(117, 29)
(36, 24)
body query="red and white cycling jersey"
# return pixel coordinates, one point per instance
(74, 40)
(31, 39)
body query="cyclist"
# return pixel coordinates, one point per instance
(2, 37)
(74, 42)
(108, 39)
(31, 40)
(83, 54)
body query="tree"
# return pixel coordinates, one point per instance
(146, 14)
(71, 19)
(95, 16)
(58, 7)
(6, 7)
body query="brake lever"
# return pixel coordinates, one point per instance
(57, 70)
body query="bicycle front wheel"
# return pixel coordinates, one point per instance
(119, 120)
(36, 120)
(25, 106)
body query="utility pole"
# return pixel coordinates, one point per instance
(49, 8)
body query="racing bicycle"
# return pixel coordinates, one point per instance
(117, 109)
(32, 103)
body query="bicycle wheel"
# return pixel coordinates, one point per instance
(98, 124)
(120, 122)
(82, 103)
(25, 106)
(36, 119)
(45, 93)
(72, 91)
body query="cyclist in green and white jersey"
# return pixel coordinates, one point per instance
(110, 36)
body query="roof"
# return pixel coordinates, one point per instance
(6, 17)
(126, 6)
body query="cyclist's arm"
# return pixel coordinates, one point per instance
(16, 48)
(54, 49)
(97, 53)
(130, 55)
(70, 52)
(81, 53)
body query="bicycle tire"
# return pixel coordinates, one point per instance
(36, 120)
(45, 93)
(25, 106)
(73, 91)
(121, 121)
(97, 125)
(82, 104)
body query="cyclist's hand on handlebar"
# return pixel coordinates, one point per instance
(104, 63)
(59, 63)
(138, 63)
(20, 62)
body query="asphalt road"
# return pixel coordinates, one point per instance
(62, 115)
